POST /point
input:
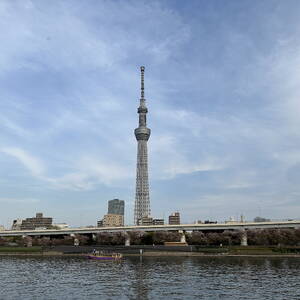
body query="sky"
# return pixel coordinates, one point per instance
(222, 87)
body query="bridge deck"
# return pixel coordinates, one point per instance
(184, 227)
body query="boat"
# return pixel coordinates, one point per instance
(114, 256)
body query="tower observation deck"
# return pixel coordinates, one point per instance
(142, 134)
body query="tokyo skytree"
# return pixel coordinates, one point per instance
(142, 134)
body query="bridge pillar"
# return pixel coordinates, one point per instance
(75, 240)
(127, 239)
(182, 236)
(244, 238)
(94, 237)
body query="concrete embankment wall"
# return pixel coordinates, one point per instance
(161, 250)
(121, 249)
(150, 250)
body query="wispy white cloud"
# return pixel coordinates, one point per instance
(170, 159)
(33, 164)
(13, 127)
(87, 171)
(91, 172)
(73, 42)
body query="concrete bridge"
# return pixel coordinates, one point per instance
(241, 226)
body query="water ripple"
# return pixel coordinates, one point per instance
(150, 278)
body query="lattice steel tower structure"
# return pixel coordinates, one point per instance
(142, 134)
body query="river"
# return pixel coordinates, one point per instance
(150, 278)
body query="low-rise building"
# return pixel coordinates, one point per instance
(210, 222)
(16, 224)
(233, 221)
(158, 222)
(2, 228)
(260, 219)
(145, 221)
(148, 221)
(61, 225)
(112, 220)
(100, 223)
(174, 218)
(37, 222)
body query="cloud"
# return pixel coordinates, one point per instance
(14, 127)
(72, 181)
(170, 159)
(33, 164)
(90, 173)
(81, 39)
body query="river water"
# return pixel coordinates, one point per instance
(150, 278)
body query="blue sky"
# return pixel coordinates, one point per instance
(222, 89)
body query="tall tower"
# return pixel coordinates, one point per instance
(142, 134)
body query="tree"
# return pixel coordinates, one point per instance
(159, 237)
(135, 237)
(3, 241)
(197, 238)
(147, 238)
(83, 239)
(44, 241)
(117, 238)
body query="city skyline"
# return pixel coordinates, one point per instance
(223, 83)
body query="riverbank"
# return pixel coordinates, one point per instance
(188, 251)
